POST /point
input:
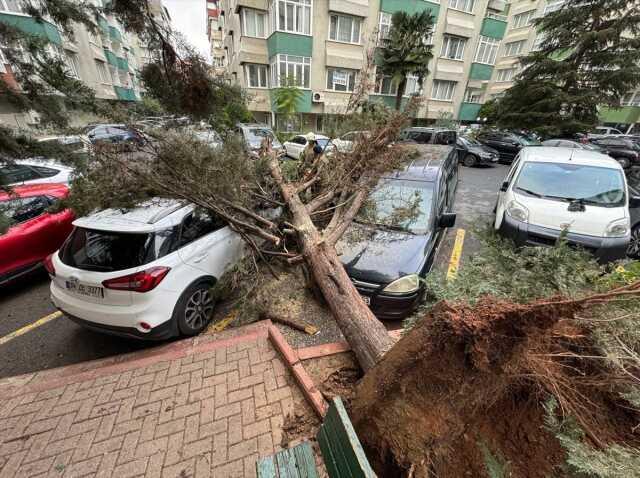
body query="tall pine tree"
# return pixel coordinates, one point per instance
(589, 58)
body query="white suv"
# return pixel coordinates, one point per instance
(144, 273)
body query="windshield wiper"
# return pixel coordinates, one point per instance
(391, 227)
(533, 193)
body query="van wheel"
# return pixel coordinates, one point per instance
(194, 308)
(633, 250)
(469, 160)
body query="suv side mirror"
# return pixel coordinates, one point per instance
(447, 219)
(634, 202)
(504, 186)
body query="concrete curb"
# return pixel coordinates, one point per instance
(311, 392)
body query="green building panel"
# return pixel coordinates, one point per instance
(409, 6)
(115, 34)
(111, 58)
(626, 114)
(31, 26)
(304, 103)
(123, 63)
(290, 44)
(493, 28)
(104, 26)
(469, 111)
(480, 71)
(125, 94)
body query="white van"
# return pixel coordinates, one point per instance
(548, 190)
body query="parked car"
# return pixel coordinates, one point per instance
(210, 137)
(601, 131)
(472, 152)
(549, 190)
(507, 144)
(73, 144)
(386, 252)
(429, 135)
(145, 273)
(115, 135)
(623, 150)
(633, 182)
(253, 134)
(33, 231)
(295, 146)
(35, 171)
(344, 144)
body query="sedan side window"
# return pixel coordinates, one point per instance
(17, 173)
(24, 209)
(46, 172)
(199, 224)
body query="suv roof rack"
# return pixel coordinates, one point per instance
(166, 212)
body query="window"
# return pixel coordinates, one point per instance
(386, 86)
(631, 99)
(339, 79)
(553, 5)
(505, 75)
(384, 25)
(103, 74)
(256, 76)
(23, 209)
(473, 96)
(285, 68)
(514, 48)
(17, 173)
(3, 62)
(197, 225)
(113, 72)
(253, 23)
(464, 5)
(73, 64)
(487, 50)
(292, 16)
(523, 19)
(453, 47)
(11, 6)
(443, 90)
(344, 29)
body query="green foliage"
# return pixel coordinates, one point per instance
(405, 51)
(489, 110)
(446, 120)
(590, 56)
(495, 467)
(584, 461)
(287, 98)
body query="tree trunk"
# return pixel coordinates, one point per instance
(401, 87)
(367, 336)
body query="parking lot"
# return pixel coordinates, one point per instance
(32, 339)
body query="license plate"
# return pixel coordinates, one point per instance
(366, 299)
(86, 290)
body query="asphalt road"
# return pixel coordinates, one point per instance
(61, 342)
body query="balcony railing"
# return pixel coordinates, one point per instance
(495, 16)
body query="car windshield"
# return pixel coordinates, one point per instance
(598, 186)
(256, 135)
(106, 251)
(399, 205)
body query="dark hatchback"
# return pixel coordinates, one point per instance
(506, 143)
(391, 246)
(472, 152)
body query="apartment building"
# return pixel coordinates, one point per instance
(107, 60)
(322, 44)
(214, 33)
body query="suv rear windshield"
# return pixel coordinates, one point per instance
(107, 251)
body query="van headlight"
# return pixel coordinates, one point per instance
(518, 211)
(404, 285)
(618, 228)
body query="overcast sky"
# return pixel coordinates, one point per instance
(190, 18)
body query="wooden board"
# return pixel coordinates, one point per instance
(296, 462)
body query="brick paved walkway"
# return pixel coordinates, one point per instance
(195, 408)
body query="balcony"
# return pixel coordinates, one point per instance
(29, 25)
(469, 111)
(494, 26)
(115, 35)
(290, 44)
(252, 50)
(480, 71)
(359, 8)
(123, 63)
(111, 58)
(257, 4)
(497, 5)
(410, 6)
(125, 94)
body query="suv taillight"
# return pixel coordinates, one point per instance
(48, 265)
(142, 281)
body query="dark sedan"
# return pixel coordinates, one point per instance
(472, 152)
(391, 246)
(625, 151)
(506, 143)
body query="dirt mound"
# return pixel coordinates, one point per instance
(465, 388)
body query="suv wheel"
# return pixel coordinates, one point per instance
(633, 250)
(469, 160)
(194, 308)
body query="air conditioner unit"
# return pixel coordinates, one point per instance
(317, 97)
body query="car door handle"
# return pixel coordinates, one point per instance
(200, 257)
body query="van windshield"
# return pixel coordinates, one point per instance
(399, 205)
(592, 185)
(107, 251)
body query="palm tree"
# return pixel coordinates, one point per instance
(287, 97)
(406, 51)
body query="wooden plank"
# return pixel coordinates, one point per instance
(286, 464)
(266, 468)
(305, 461)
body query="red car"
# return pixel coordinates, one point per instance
(34, 233)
